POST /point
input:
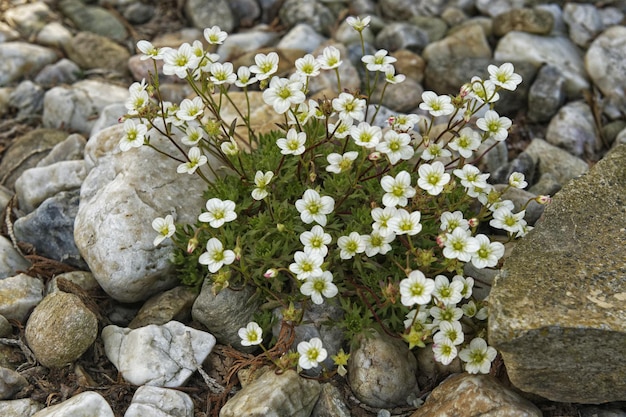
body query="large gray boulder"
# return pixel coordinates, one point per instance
(558, 308)
(120, 197)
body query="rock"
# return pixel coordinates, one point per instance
(573, 128)
(18, 295)
(584, 22)
(435, 27)
(5, 327)
(93, 19)
(78, 106)
(239, 43)
(302, 37)
(122, 194)
(225, 313)
(82, 279)
(63, 71)
(274, 395)
(405, 9)
(468, 41)
(159, 402)
(549, 348)
(246, 12)
(557, 51)
(206, 14)
(466, 395)
(70, 149)
(56, 216)
(21, 59)
(311, 12)
(327, 80)
(109, 116)
(523, 164)
(429, 370)
(91, 51)
(497, 7)
(330, 403)
(10, 383)
(601, 412)
(546, 94)
(556, 161)
(29, 19)
(139, 13)
(85, 404)
(25, 407)
(402, 97)
(398, 35)
(40, 183)
(410, 64)
(60, 329)
(164, 356)
(26, 151)
(174, 304)
(54, 34)
(547, 185)
(604, 61)
(27, 98)
(7, 33)
(381, 372)
(537, 21)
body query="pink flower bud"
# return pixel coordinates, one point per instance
(270, 273)
(441, 241)
(192, 245)
(543, 199)
(473, 222)
(374, 156)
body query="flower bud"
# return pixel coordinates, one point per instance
(374, 156)
(280, 227)
(192, 245)
(270, 273)
(441, 240)
(543, 199)
(473, 222)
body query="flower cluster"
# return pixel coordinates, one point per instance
(381, 215)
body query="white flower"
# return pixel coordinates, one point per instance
(483, 91)
(450, 221)
(416, 289)
(214, 35)
(308, 66)
(478, 356)
(444, 352)
(405, 223)
(190, 109)
(311, 353)
(357, 23)
(391, 77)
(434, 150)
(306, 264)
(196, 159)
(215, 256)
(496, 126)
(470, 308)
(398, 189)
(504, 219)
(266, 65)
(318, 286)
(405, 122)
(460, 245)
(517, 180)
(137, 99)
(134, 135)
(366, 135)
(340, 163)
(282, 93)
(349, 107)
(396, 146)
(251, 335)
(504, 76)
(447, 292)
(193, 135)
(222, 73)
(301, 114)
(449, 331)
(314, 208)
(261, 180)
(468, 284)
(315, 241)
(149, 51)
(377, 243)
(466, 142)
(382, 217)
(432, 177)
(419, 322)
(470, 176)
(164, 227)
(436, 105)
(351, 245)
(379, 61)
(341, 129)
(330, 58)
(218, 212)
(179, 61)
(488, 253)
(293, 144)
(449, 312)
(244, 77)
(230, 147)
